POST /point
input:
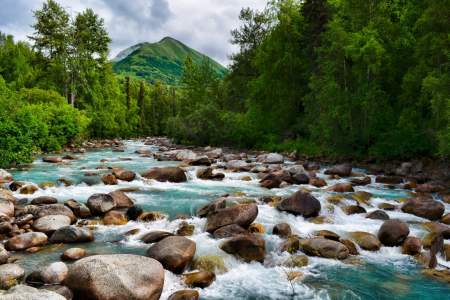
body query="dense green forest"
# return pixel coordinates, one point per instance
(337, 78)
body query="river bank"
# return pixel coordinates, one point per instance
(255, 225)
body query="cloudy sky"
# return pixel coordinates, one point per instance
(201, 24)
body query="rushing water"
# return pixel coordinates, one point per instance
(385, 274)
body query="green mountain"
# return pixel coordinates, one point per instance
(162, 61)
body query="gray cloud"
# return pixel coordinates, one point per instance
(204, 25)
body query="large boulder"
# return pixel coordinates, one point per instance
(26, 240)
(121, 199)
(366, 241)
(229, 231)
(155, 236)
(393, 232)
(174, 252)
(343, 170)
(24, 292)
(10, 275)
(118, 276)
(55, 273)
(6, 207)
(49, 224)
(271, 158)
(324, 248)
(301, 203)
(424, 207)
(242, 215)
(249, 247)
(39, 211)
(100, 204)
(115, 217)
(124, 175)
(238, 165)
(207, 174)
(282, 229)
(171, 174)
(212, 207)
(72, 234)
(79, 209)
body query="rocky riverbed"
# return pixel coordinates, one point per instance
(151, 220)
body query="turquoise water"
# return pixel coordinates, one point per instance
(385, 274)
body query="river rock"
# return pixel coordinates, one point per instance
(341, 188)
(361, 181)
(366, 241)
(155, 236)
(212, 207)
(238, 165)
(301, 203)
(184, 295)
(5, 176)
(44, 200)
(118, 276)
(210, 263)
(121, 199)
(73, 254)
(10, 275)
(59, 289)
(378, 215)
(412, 245)
(109, 179)
(199, 279)
(229, 231)
(353, 209)
(389, 179)
(327, 234)
(124, 175)
(248, 247)
(49, 224)
(39, 211)
(430, 187)
(79, 209)
(52, 159)
(26, 240)
(324, 248)
(100, 204)
(55, 273)
(317, 182)
(424, 207)
(296, 261)
(24, 292)
(72, 234)
(393, 233)
(282, 229)
(242, 215)
(343, 170)
(200, 161)
(174, 252)
(115, 217)
(4, 255)
(6, 207)
(171, 174)
(350, 246)
(271, 158)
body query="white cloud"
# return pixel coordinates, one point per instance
(204, 25)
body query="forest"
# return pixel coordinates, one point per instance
(353, 78)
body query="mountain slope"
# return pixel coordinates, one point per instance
(162, 61)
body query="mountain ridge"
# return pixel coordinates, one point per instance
(160, 61)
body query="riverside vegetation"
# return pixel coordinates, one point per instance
(88, 210)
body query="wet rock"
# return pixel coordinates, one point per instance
(343, 170)
(59, 289)
(155, 236)
(4, 255)
(424, 207)
(48, 224)
(291, 244)
(327, 234)
(270, 181)
(16, 185)
(199, 279)
(10, 275)
(212, 207)
(44, 200)
(24, 292)
(301, 203)
(393, 233)
(378, 215)
(441, 275)
(185, 229)
(200, 161)
(118, 276)
(354, 209)
(296, 261)
(247, 247)
(73, 254)
(52, 159)
(324, 248)
(215, 153)
(124, 175)
(134, 212)
(238, 165)
(184, 295)
(26, 240)
(7, 195)
(171, 174)
(366, 241)
(229, 231)
(362, 197)
(317, 182)
(271, 158)
(387, 206)
(115, 217)
(79, 209)
(121, 199)
(361, 181)
(185, 155)
(151, 216)
(389, 179)
(282, 229)
(210, 263)
(446, 219)
(109, 179)
(350, 246)
(6, 207)
(5, 227)
(174, 252)
(24, 219)
(55, 273)
(40, 211)
(431, 187)
(412, 246)
(28, 189)
(242, 215)
(207, 174)
(341, 188)
(100, 204)
(5, 176)
(72, 234)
